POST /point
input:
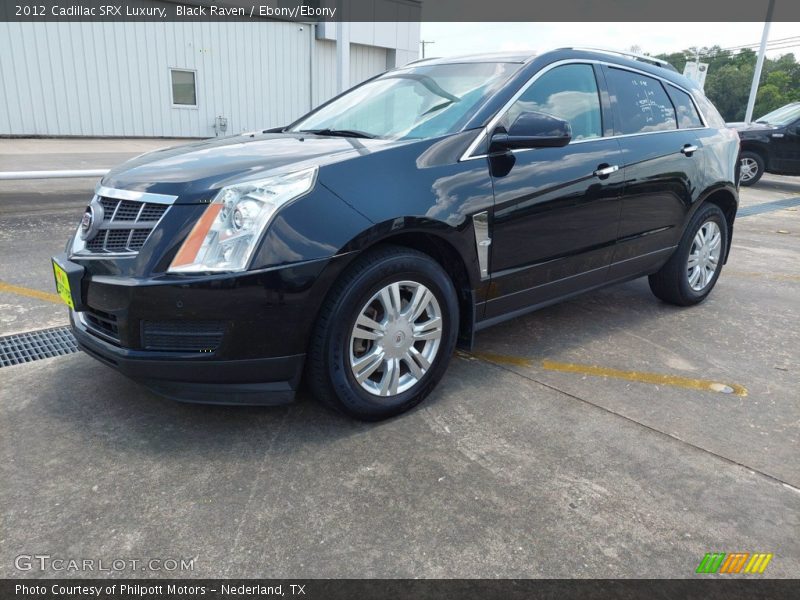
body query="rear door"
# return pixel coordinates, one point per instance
(556, 209)
(662, 158)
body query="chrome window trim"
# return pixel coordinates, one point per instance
(691, 99)
(117, 194)
(484, 133)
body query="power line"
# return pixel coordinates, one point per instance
(777, 45)
(775, 41)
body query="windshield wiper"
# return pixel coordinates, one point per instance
(339, 132)
(444, 104)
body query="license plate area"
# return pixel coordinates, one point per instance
(68, 278)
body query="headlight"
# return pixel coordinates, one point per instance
(226, 235)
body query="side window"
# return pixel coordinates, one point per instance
(568, 92)
(687, 112)
(642, 103)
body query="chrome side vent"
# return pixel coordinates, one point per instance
(480, 223)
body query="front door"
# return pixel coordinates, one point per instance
(556, 209)
(786, 150)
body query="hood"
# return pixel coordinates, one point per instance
(744, 127)
(195, 171)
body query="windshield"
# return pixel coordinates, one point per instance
(415, 103)
(782, 116)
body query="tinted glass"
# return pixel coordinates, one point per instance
(183, 88)
(642, 103)
(569, 93)
(687, 112)
(710, 112)
(782, 116)
(417, 102)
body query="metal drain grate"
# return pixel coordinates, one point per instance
(765, 207)
(35, 345)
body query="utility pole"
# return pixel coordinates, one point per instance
(751, 102)
(423, 43)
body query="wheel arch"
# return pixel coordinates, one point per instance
(452, 248)
(727, 200)
(758, 148)
(446, 253)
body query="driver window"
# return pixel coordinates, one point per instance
(568, 92)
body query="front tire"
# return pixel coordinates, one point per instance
(692, 271)
(751, 168)
(385, 334)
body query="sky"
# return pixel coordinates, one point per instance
(653, 38)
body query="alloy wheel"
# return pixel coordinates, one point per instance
(704, 256)
(748, 169)
(395, 338)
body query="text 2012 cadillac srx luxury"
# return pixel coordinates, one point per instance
(357, 246)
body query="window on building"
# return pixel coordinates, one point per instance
(687, 113)
(184, 87)
(568, 92)
(642, 102)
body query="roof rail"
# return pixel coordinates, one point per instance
(413, 62)
(640, 57)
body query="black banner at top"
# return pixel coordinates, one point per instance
(401, 10)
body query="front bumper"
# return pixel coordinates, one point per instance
(256, 355)
(265, 381)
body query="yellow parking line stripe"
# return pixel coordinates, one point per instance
(30, 293)
(502, 359)
(705, 385)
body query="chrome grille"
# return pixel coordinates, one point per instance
(126, 225)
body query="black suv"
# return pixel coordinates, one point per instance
(770, 145)
(361, 243)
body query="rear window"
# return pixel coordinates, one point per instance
(687, 112)
(642, 103)
(710, 112)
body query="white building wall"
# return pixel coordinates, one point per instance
(113, 79)
(365, 62)
(324, 81)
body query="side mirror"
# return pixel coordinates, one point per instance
(532, 130)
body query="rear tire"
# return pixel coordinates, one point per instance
(385, 334)
(687, 277)
(751, 168)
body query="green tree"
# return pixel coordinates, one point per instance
(730, 76)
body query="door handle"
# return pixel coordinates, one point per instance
(689, 149)
(605, 171)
